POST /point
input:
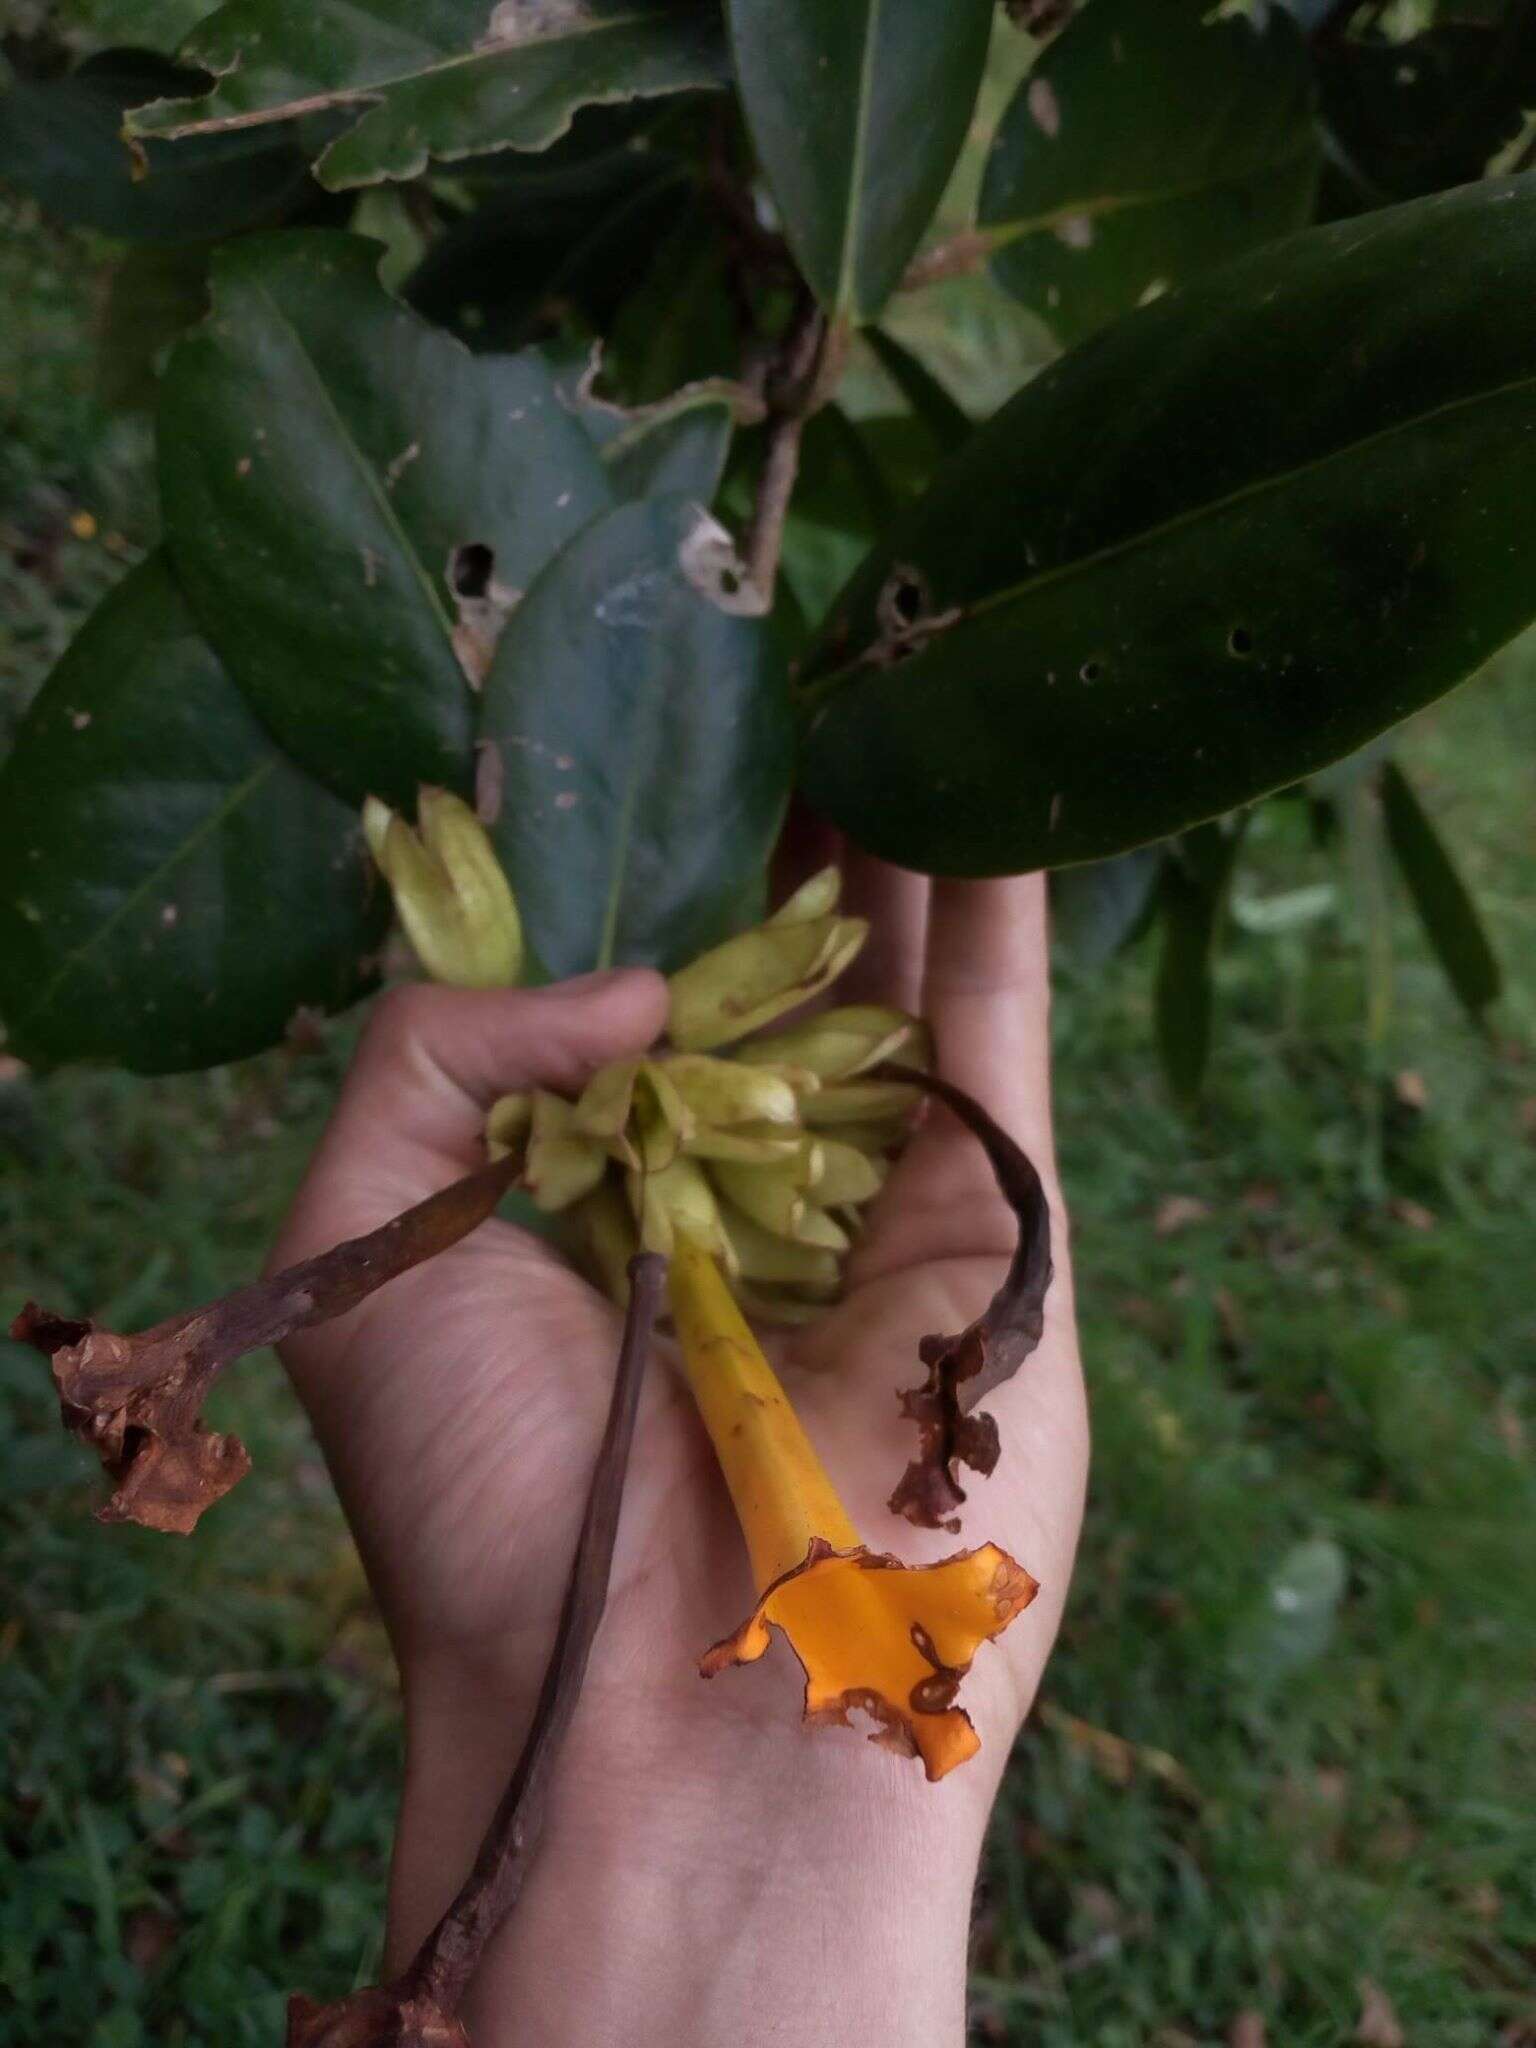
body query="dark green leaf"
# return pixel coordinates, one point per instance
(676, 445)
(1096, 908)
(505, 273)
(436, 78)
(172, 888)
(947, 425)
(61, 142)
(678, 326)
(1109, 617)
(324, 453)
(1193, 887)
(154, 294)
(1440, 896)
(858, 109)
(1416, 116)
(1147, 144)
(644, 742)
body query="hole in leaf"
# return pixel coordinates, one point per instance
(1091, 670)
(1240, 642)
(469, 569)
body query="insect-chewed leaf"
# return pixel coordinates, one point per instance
(327, 461)
(450, 80)
(1145, 145)
(61, 141)
(645, 738)
(1106, 620)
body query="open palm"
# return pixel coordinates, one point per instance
(460, 1408)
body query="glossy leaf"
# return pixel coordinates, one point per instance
(1147, 144)
(858, 109)
(644, 741)
(435, 78)
(61, 142)
(1440, 896)
(1192, 893)
(946, 424)
(323, 453)
(172, 888)
(678, 444)
(153, 295)
(1411, 117)
(536, 249)
(1108, 619)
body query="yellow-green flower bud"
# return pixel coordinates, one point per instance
(775, 1197)
(452, 897)
(563, 1164)
(814, 898)
(507, 1126)
(858, 1102)
(757, 976)
(610, 1239)
(721, 1092)
(840, 1043)
(752, 1144)
(765, 1255)
(678, 1198)
(847, 1174)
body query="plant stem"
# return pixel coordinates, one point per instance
(798, 383)
(448, 1958)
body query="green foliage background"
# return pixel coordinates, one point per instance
(1306, 1571)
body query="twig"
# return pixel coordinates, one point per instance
(420, 2008)
(799, 381)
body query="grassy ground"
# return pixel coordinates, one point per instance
(1289, 1743)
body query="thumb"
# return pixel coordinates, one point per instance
(431, 1061)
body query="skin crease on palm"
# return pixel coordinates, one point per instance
(711, 1868)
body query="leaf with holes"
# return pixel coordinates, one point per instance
(451, 79)
(674, 445)
(1145, 145)
(325, 457)
(1107, 620)
(172, 888)
(1440, 896)
(61, 142)
(644, 737)
(858, 111)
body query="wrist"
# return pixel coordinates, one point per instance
(701, 1877)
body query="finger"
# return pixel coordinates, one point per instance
(890, 968)
(411, 1113)
(985, 994)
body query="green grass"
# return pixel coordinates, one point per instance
(1306, 1575)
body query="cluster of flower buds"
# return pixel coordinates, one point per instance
(763, 1147)
(744, 1155)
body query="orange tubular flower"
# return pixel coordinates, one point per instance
(893, 1639)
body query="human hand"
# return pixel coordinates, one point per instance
(460, 1410)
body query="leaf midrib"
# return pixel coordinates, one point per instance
(378, 88)
(1084, 565)
(1001, 234)
(847, 254)
(365, 468)
(210, 825)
